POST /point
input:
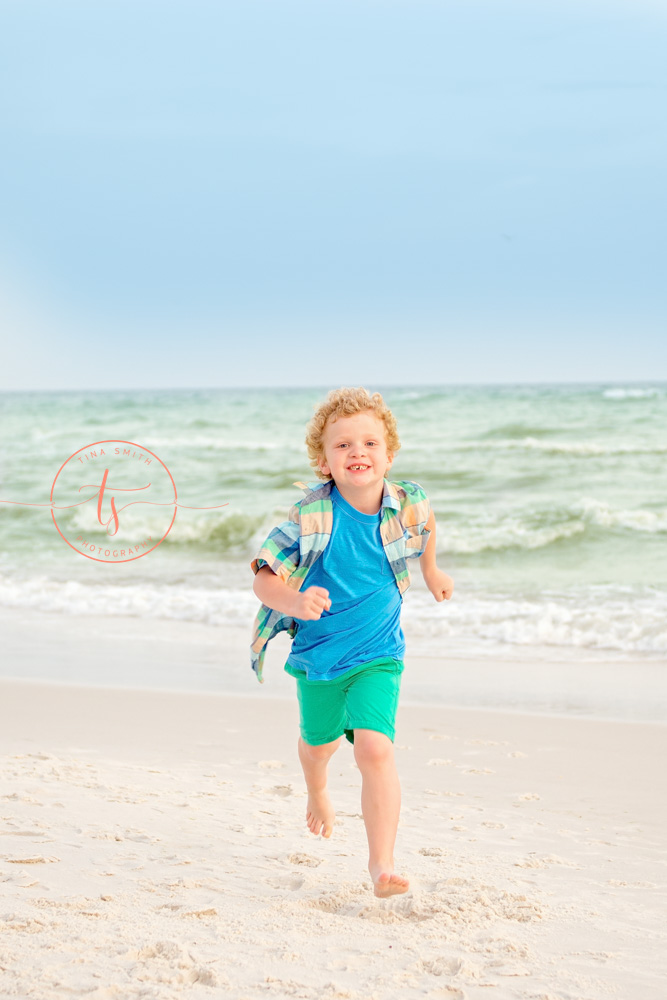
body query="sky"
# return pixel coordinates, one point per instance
(263, 193)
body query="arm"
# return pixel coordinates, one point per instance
(274, 592)
(438, 582)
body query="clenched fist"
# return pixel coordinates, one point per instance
(311, 603)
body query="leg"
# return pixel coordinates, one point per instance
(380, 805)
(322, 714)
(314, 760)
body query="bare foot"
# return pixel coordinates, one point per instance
(320, 813)
(387, 884)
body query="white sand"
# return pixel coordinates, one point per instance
(153, 845)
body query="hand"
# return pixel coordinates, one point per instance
(311, 603)
(440, 584)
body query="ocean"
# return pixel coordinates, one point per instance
(551, 507)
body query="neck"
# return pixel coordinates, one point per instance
(365, 501)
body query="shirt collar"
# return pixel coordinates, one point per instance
(390, 496)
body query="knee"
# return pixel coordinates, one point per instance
(372, 749)
(321, 752)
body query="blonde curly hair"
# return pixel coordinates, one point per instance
(345, 402)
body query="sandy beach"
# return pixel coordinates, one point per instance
(412, 252)
(154, 845)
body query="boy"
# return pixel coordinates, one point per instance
(333, 577)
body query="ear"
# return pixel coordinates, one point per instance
(390, 459)
(321, 461)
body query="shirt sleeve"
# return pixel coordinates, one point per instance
(279, 551)
(415, 512)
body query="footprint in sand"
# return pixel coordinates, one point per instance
(20, 879)
(200, 914)
(141, 837)
(502, 968)
(532, 861)
(15, 797)
(37, 859)
(282, 790)
(442, 966)
(304, 859)
(291, 882)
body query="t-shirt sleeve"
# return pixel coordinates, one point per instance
(415, 512)
(279, 551)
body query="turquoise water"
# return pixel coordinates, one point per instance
(550, 503)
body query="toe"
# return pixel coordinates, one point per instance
(389, 885)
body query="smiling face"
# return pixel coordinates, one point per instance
(355, 454)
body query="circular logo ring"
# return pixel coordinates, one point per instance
(142, 451)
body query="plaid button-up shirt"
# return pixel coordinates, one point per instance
(293, 547)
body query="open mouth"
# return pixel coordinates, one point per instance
(358, 468)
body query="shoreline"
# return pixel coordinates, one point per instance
(290, 698)
(157, 655)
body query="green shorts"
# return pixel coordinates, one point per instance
(365, 697)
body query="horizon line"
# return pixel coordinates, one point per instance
(327, 386)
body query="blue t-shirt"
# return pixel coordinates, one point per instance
(365, 617)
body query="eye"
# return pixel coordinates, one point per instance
(371, 443)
